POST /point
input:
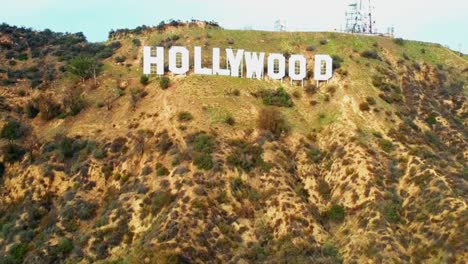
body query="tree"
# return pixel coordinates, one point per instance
(84, 67)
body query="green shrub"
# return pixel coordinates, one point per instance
(323, 42)
(31, 110)
(99, 153)
(245, 156)
(337, 60)
(48, 108)
(370, 100)
(203, 143)
(164, 82)
(278, 97)
(324, 189)
(386, 145)
(161, 170)
(203, 161)
(73, 101)
(399, 41)
(84, 67)
(136, 42)
(431, 119)
(23, 57)
(65, 246)
(230, 120)
(12, 153)
(65, 147)
(18, 252)
(272, 120)
(390, 211)
(120, 59)
(12, 130)
(314, 154)
(336, 213)
(184, 116)
(144, 79)
(330, 250)
(370, 54)
(160, 200)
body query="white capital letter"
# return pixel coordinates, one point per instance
(293, 60)
(184, 67)
(254, 64)
(216, 64)
(281, 66)
(149, 60)
(234, 62)
(323, 72)
(198, 69)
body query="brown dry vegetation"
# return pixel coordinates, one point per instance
(374, 171)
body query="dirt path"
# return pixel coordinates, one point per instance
(171, 126)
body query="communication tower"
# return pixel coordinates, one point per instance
(360, 17)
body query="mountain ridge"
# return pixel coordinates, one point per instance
(370, 167)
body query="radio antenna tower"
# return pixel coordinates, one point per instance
(360, 18)
(280, 25)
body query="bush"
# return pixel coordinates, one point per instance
(136, 42)
(386, 145)
(370, 54)
(399, 41)
(184, 116)
(230, 120)
(277, 98)
(203, 161)
(314, 154)
(164, 82)
(120, 59)
(246, 156)
(336, 213)
(48, 108)
(431, 119)
(337, 60)
(12, 153)
(272, 120)
(310, 48)
(31, 110)
(144, 80)
(66, 147)
(161, 170)
(65, 246)
(18, 252)
(2, 169)
(12, 130)
(160, 200)
(23, 57)
(83, 67)
(73, 101)
(323, 42)
(324, 189)
(390, 211)
(371, 100)
(203, 143)
(364, 106)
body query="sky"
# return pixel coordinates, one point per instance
(444, 22)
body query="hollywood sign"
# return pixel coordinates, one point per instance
(179, 64)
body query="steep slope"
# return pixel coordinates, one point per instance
(368, 168)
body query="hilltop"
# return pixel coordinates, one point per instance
(107, 166)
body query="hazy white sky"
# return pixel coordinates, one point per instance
(444, 22)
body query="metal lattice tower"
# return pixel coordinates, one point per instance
(360, 18)
(280, 25)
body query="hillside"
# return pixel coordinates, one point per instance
(111, 168)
